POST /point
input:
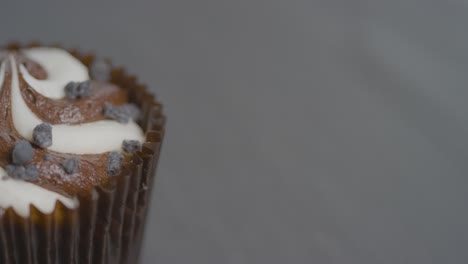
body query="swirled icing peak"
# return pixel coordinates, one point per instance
(88, 138)
(76, 141)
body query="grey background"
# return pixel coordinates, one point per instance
(325, 131)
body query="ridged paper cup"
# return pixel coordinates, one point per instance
(108, 225)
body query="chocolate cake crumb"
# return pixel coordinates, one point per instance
(130, 145)
(70, 165)
(31, 172)
(22, 152)
(42, 135)
(121, 113)
(20, 172)
(16, 171)
(113, 163)
(77, 90)
(132, 110)
(100, 70)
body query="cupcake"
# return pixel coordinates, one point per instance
(79, 145)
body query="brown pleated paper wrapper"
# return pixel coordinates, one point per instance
(108, 225)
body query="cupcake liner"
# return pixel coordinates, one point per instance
(108, 225)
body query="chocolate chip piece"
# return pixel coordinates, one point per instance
(121, 113)
(20, 172)
(100, 70)
(70, 165)
(42, 135)
(22, 153)
(77, 90)
(113, 163)
(130, 146)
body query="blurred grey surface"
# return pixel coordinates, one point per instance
(325, 131)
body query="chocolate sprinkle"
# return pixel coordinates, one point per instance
(113, 164)
(77, 90)
(42, 135)
(121, 113)
(20, 172)
(70, 165)
(100, 70)
(130, 145)
(22, 153)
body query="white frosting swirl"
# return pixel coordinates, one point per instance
(61, 68)
(88, 138)
(21, 194)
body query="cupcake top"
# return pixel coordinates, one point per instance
(62, 132)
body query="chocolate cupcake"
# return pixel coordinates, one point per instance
(79, 145)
